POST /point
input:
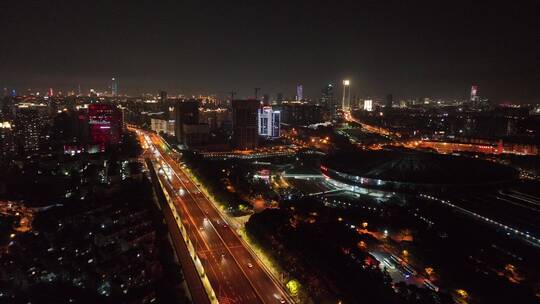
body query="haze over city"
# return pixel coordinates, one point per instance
(381, 152)
(412, 49)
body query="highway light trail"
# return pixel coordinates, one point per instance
(234, 272)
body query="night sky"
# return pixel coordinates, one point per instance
(408, 48)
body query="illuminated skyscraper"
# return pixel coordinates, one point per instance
(368, 105)
(105, 124)
(7, 141)
(474, 93)
(299, 92)
(30, 119)
(346, 99)
(475, 99)
(269, 122)
(114, 86)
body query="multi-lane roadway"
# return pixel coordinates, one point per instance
(234, 272)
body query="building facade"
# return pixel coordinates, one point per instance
(245, 135)
(186, 113)
(159, 125)
(269, 122)
(106, 124)
(30, 119)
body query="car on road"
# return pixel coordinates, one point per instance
(249, 265)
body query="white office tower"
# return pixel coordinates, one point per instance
(368, 105)
(269, 122)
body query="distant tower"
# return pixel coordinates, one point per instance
(114, 86)
(327, 99)
(299, 93)
(346, 99)
(474, 95)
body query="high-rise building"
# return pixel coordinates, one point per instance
(346, 98)
(195, 134)
(161, 125)
(215, 118)
(327, 99)
(106, 124)
(296, 113)
(245, 135)
(29, 121)
(186, 113)
(474, 99)
(269, 122)
(368, 105)
(474, 93)
(163, 96)
(7, 139)
(299, 92)
(114, 86)
(389, 101)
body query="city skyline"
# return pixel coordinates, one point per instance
(291, 152)
(409, 50)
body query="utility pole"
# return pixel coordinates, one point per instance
(257, 92)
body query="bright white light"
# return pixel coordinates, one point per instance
(346, 82)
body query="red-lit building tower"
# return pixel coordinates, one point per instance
(105, 124)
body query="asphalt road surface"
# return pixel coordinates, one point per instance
(234, 273)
